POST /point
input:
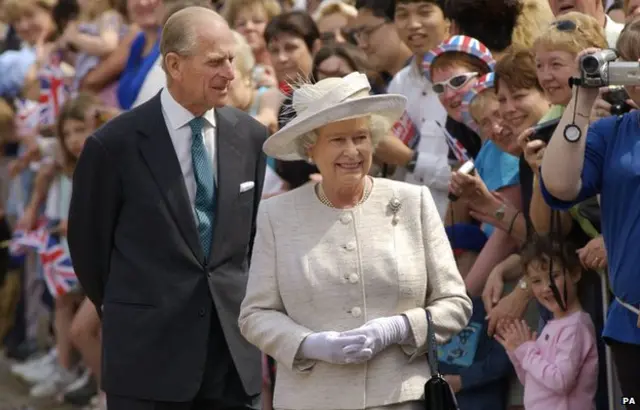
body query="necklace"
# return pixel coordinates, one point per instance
(323, 197)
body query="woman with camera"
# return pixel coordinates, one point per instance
(604, 159)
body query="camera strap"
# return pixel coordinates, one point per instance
(555, 229)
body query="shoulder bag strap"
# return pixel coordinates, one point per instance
(432, 347)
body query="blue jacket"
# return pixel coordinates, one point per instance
(485, 383)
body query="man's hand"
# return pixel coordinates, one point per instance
(335, 348)
(455, 382)
(511, 306)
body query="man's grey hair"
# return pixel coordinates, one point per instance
(378, 127)
(179, 34)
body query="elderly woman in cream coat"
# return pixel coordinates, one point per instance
(343, 270)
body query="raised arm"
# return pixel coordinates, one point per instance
(563, 160)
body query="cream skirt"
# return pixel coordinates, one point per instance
(410, 405)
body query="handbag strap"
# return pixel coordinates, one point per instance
(432, 348)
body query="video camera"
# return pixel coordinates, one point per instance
(601, 70)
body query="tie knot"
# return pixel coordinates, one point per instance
(197, 124)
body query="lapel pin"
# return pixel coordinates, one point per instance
(394, 207)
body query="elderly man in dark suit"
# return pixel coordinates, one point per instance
(161, 227)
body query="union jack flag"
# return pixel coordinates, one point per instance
(406, 130)
(65, 275)
(27, 117)
(53, 90)
(23, 240)
(50, 256)
(459, 151)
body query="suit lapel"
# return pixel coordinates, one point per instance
(160, 156)
(230, 164)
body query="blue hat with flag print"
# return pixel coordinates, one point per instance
(485, 82)
(460, 44)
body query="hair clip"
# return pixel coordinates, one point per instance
(394, 207)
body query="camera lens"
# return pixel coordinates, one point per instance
(590, 64)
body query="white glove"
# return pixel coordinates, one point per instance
(381, 333)
(332, 347)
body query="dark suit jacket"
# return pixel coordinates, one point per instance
(136, 251)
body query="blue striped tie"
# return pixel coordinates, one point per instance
(205, 186)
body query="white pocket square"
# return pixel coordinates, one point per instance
(245, 186)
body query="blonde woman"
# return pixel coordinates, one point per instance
(245, 96)
(332, 17)
(250, 18)
(535, 17)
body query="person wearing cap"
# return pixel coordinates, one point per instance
(343, 270)
(422, 26)
(454, 68)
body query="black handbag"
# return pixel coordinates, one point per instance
(437, 392)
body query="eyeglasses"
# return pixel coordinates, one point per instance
(455, 83)
(363, 33)
(330, 37)
(565, 25)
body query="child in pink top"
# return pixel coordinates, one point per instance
(559, 369)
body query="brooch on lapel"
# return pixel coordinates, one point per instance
(394, 207)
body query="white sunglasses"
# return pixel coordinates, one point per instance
(455, 83)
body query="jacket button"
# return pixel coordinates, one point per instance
(356, 312)
(345, 219)
(353, 278)
(350, 246)
(202, 312)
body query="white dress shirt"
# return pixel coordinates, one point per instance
(177, 120)
(426, 111)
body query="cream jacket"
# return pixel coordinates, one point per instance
(316, 268)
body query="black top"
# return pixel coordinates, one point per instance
(466, 136)
(576, 235)
(526, 187)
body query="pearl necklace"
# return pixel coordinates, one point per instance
(323, 197)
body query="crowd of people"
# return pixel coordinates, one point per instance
(406, 167)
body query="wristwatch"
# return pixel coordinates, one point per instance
(522, 284)
(499, 213)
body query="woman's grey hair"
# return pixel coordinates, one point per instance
(378, 127)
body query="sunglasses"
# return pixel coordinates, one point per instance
(565, 25)
(455, 83)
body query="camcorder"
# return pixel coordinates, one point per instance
(601, 70)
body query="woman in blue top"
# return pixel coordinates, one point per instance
(145, 49)
(605, 160)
